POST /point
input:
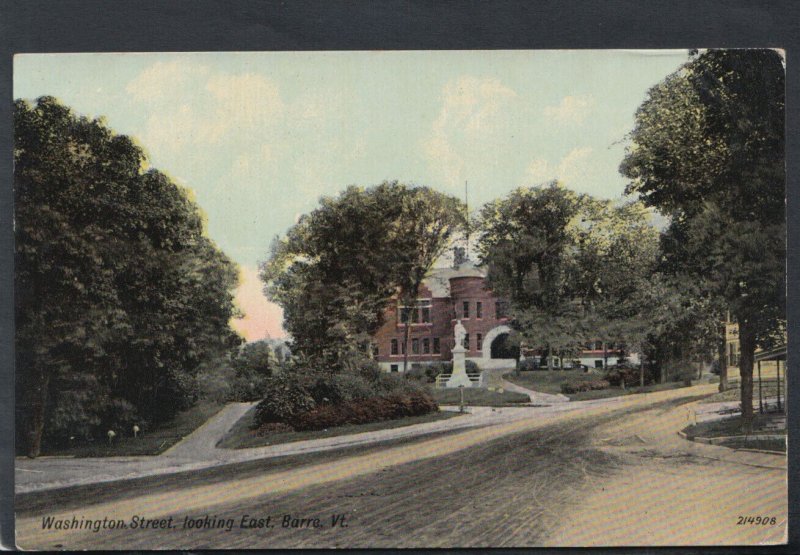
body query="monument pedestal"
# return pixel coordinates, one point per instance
(459, 376)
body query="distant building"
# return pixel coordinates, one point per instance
(447, 295)
(461, 293)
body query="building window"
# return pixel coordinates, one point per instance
(466, 341)
(394, 347)
(465, 309)
(419, 313)
(598, 363)
(426, 314)
(426, 346)
(415, 346)
(478, 309)
(394, 368)
(479, 339)
(437, 348)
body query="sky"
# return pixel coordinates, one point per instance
(259, 137)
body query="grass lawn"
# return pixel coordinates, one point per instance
(769, 389)
(733, 427)
(148, 443)
(243, 434)
(478, 397)
(550, 382)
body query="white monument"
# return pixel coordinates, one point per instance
(459, 376)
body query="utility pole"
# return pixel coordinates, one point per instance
(466, 213)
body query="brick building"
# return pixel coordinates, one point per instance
(447, 295)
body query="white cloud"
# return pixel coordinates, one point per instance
(473, 111)
(571, 109)
(162, 80)
(572, 168)
(211, 106)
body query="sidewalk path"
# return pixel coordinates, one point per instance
(46, 473)
(202, 442)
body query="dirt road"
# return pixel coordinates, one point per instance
(596, 476)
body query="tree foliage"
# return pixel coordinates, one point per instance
(570, 264)
(708, 150)
(337, 269)
(119, 293)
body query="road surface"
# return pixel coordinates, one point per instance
(614, 473)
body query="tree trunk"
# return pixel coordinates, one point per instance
(38, 406)
(605, 355)
(722, 356)
(747, 348)
(641, 371)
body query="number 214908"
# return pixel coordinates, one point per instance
(757, 520)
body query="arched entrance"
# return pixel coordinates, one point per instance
(495, 347)
(503, 347)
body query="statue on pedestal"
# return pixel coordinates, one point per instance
(460, 333)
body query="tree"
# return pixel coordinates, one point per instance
(524, 241)
(427, 223)
(708, 151)
(252, 364)
(118, 292)
(569, 264)
(338, 268)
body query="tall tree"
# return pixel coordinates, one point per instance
(338, 268)
(565, 261)
(708, 150)
(118, 292)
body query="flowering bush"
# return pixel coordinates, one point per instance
(363, 411)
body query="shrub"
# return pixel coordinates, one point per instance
(349, 387)
(590, 385)
(628, 374)
(299, 394)
(427, 373)
(471, 366)
(363, 411)
(528, 364)
(252, 365)
(286, 397)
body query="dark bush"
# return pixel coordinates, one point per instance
(528, 364)
(627, 373)
(287, 395)
(363, 411)
(589, 385)
(294, 393)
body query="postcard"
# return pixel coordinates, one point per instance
(400, 299)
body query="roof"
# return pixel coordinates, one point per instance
(438, 281)
(776, 353)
